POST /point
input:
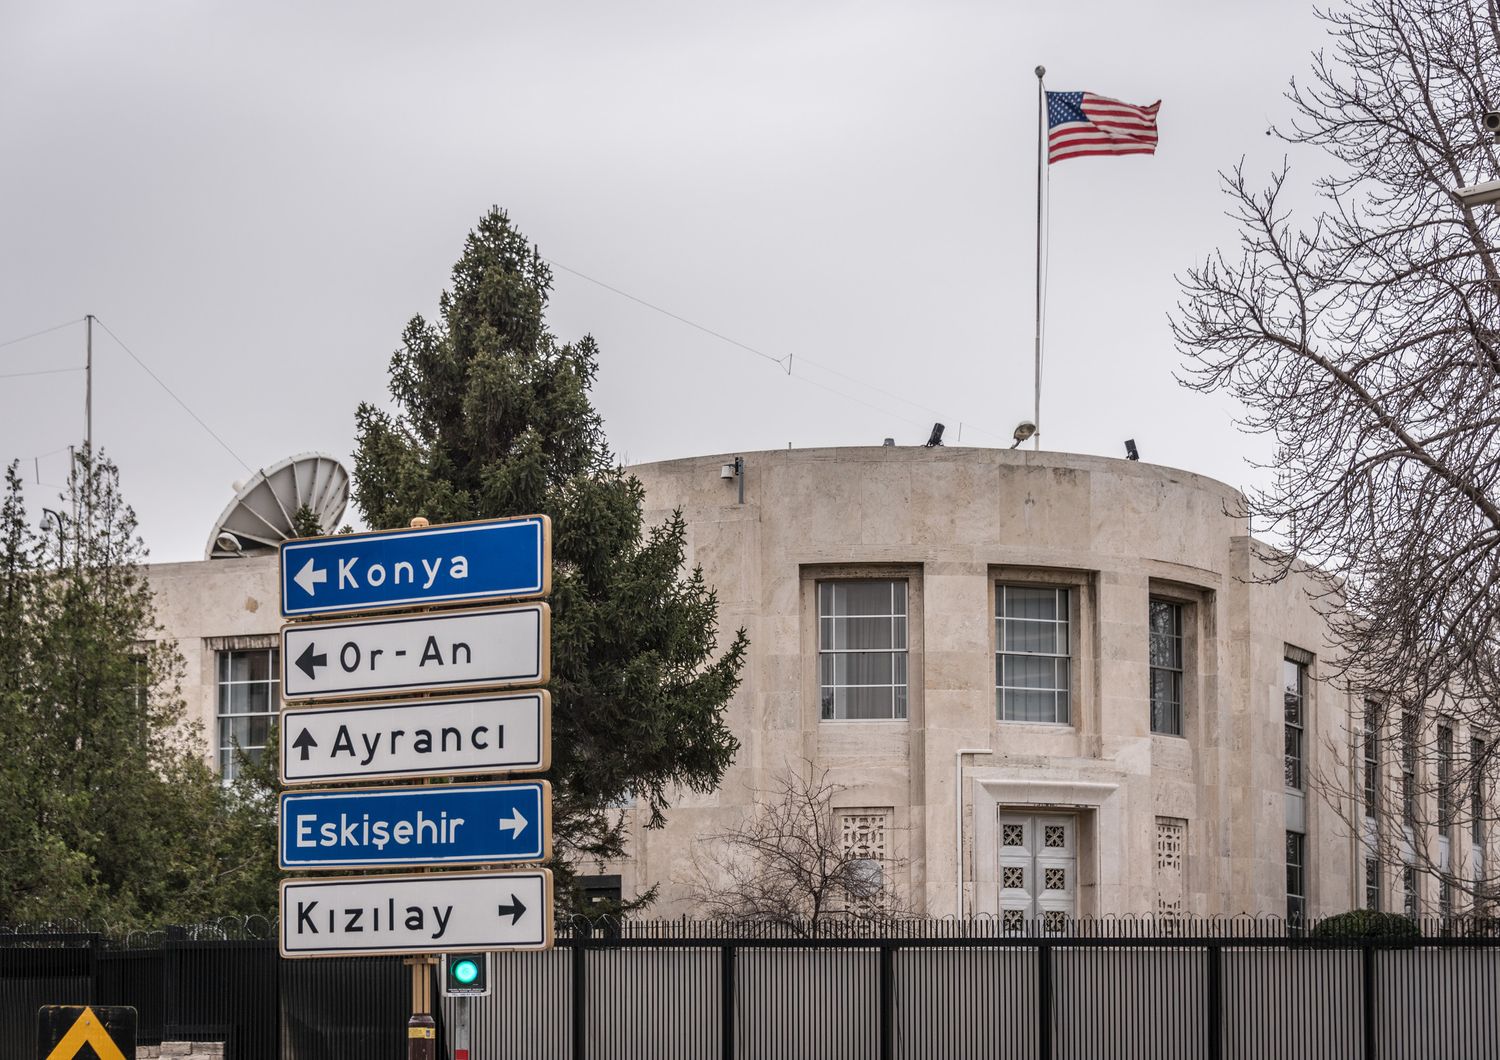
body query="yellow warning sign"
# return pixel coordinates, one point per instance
(87, 1027)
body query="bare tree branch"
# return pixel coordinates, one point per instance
(787, 863)
(1364, 342)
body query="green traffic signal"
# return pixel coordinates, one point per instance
(466, 975)
(464, 971)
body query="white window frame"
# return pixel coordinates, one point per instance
(223, 663)
(1176, 723)
(1296, 899)
(1294, 730)
(1061, 691)
(900, 692)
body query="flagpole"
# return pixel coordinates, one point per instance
(1041, 162)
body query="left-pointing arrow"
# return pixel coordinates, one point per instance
(310, 576)
(305, 743)
(308, 663)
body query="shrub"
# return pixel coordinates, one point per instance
(1367, 924)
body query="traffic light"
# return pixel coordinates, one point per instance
(466, 975)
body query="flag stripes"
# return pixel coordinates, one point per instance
(1082, 123)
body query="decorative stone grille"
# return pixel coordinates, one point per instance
(862, 839)
(1171, 844)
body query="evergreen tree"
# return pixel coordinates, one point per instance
(494, 419)
(109, 810)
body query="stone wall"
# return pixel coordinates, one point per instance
(181, 1051)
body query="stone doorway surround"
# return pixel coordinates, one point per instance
(1101, 834)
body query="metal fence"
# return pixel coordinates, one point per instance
(1233, 988)
(207, 984)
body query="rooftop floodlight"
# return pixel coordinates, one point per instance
(1024, 430)
(227, 542)
(936, 438)
(1479, 194)
(1131, 453)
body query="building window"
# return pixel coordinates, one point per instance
(1445, 778)
(1409, 768)
(1409, 890)
(1296, 879)
(1294, 698)
(249, 694)
(862, 649)
(1033, 645)
(1476, 795)
(1165, 623)
(1445, 899)
(1372, 759)
(601, 895)
(140, 681)
(1372, 884)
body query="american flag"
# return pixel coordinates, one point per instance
(1081, 123)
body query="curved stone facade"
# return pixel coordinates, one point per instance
(1144, 821)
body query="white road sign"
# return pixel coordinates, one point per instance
(447, 913)
(417, 738)
(492, 648)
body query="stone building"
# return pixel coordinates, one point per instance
(1046, 683)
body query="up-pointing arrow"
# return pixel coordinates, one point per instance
(516, 824)
(305, 743)
(310, 576)
(308, 663)
(514, 910)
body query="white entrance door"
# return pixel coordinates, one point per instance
(1038, 868)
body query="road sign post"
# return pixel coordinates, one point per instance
(456, 563)
(107, 1032)
(470, 912)
(444, 651)
(422, 571)
(417, 738)
(454, 825)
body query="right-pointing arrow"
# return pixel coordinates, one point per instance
(308, 663)
(514, 910)
(516, 824)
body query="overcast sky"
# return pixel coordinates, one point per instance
(256, 197)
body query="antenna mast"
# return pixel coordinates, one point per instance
(88, 387)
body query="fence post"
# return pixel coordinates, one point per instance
(1367, 996)
(96, 943)
(726, 1002)
(1215, 1001)
(171, 952)
(580, 994)
(887, 1002)
(1044, 1000)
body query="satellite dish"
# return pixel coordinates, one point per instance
(263, 512)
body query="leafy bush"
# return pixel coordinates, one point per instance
(1367, 924)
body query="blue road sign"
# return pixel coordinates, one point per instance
(501, 559)
(453, 824)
